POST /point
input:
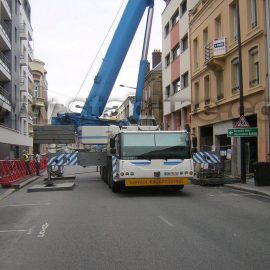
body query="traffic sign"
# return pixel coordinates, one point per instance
(242, 132)
(242, 122)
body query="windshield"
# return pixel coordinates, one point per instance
(155, 146)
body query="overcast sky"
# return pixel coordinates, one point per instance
(68, 35)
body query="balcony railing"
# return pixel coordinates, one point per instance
(254, 82)
(6, 29)
(38, 101)
(23, 32)
(207, 101)
(220, 96)
(215, 49)
(235, 89)
(4, 62)
(4, 95)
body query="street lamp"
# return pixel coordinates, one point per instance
(241, 95)
(122, 85)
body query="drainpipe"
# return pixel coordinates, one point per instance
(267, 78)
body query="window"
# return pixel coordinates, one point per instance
(167, 60)
(206, 90)
(184, 43)
(196, 96)
(252, 13)
(184, 80)
(218, 30)
(175, 52)
(176, 86)
(254, 67)
(16, 7)
(205, 37)
(235, 76)
(168, 90)
(36, 88)
(220, 84)
(166, 30)
(15, 35)
(175, 18)
(233, 22)
(15, 63)
(183, 7)
(195, 53)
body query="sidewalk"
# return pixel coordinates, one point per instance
(4, 192)
(250, 187)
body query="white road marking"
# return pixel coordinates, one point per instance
(43, 230)
(9, 231)
(166, 221)
(22, 205)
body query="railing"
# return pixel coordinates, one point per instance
(30, 48)
(12, 171)
(4, 95)
(6, 29)
(207, 101)
(220, 96)
(254, 82)
(23, 31)
(38, 101)
(235, 89)
(4, 62)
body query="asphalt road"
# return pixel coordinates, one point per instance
(92, 228)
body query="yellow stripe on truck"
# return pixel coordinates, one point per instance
(156, 182)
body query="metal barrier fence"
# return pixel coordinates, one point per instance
(12, 171)
(215, 161)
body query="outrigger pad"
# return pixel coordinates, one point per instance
(54, 187)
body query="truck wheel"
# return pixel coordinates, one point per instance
(177, 187)
(115, 187)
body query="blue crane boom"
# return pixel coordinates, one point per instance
(111, 65)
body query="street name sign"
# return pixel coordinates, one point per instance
(242, 132)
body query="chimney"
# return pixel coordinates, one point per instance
(156, 58)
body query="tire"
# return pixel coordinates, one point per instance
(180, 187)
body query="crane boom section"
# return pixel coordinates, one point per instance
(114, 58)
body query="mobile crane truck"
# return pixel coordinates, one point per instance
(137, 154)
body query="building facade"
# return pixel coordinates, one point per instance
(176, 64)
(15, 77)
(125, 110)
(40, 98)
(215, 75)
(152, 98)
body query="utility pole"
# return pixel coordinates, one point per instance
(241, 96)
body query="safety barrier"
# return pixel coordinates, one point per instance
(12, 171)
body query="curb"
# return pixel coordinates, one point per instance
(7, 193)
(248, 189)
(23, 183)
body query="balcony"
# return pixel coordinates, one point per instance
(4, 68)
(6, 10)
(23, 85)
(38, 102)
(5, 36)
(23, 31)
(215, 53)
(23, 59)
(5, 99)
(30, 52)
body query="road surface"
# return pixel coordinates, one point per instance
(93, 228)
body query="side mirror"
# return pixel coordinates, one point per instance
(112, 142)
